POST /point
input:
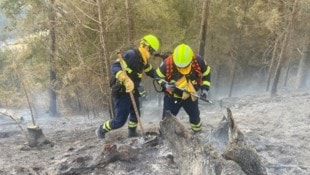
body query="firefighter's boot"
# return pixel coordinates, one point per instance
(100, 132)
(132, 132)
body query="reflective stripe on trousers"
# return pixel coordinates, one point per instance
(123, 109)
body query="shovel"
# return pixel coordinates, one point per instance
(195, 95)
(121, 60)
(184, 90)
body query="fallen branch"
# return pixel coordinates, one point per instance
(17, 123)
(287, 166)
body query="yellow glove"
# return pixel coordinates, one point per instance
(126, 80)
(128, 84)
(121, 76)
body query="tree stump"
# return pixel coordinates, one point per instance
(198, 158)
(192, 155)
(240, 152)
(36, 136)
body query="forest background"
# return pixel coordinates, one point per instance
(55, 55)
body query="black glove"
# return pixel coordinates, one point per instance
(168, 86)
(204, 94)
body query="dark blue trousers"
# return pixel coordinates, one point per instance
(190, 107)
(123, 108)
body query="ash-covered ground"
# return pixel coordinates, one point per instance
(277, 127)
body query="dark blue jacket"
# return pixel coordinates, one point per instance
(134, 66)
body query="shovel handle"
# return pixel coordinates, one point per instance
(199, 97)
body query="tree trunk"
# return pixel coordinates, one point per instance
(287, 70)
(195, 157)
(232, 78)
(52, 53)
(204, 27)
(234, 69)
(130, 23)
(282, 56)
(275, 47)
(218, 76)
(303, 69)
(104, 59)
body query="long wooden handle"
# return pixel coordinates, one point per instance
(131, 94)
(136, 111)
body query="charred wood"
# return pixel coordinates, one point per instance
(224, 153)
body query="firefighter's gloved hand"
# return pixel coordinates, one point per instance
(168, 86)
(128, 83)
(121, 76)
(204, 94)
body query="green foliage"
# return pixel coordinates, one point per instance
(12, 9)
(10, 78)
(242, 31)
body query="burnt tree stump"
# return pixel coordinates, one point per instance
(192, 155)
(195, 157)
(36, 136)
(240, 152)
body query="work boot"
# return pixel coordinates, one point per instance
(100, 132)
(132, 132)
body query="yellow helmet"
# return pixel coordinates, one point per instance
(152, 41)
(182, 58)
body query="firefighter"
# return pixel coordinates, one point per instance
(181, 74)
(135, 62)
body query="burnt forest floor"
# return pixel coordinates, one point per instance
(277, 127)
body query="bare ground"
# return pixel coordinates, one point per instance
(277, 127)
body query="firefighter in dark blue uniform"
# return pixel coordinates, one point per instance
(135, 62)
(182, 74)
